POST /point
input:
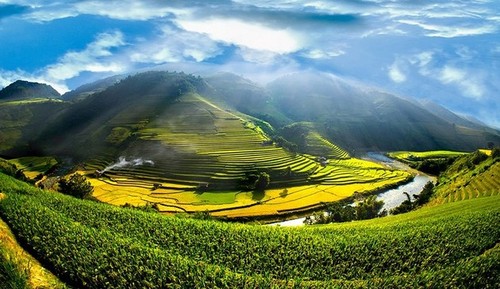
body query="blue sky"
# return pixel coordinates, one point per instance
(445, 51)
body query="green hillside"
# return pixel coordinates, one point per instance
(162, 117)
(88, 89)
(92, 245)
(470, 176)
(23, 121)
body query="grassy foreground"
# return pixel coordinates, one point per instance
(18, 269)
(93, 245)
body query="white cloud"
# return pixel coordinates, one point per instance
(92, 58)
(396, 74)
(470, 85)
(115, 9)
(450, 74)
(388, 30)
(422, 61)
(469, 82)
(451, 31)
(316, 53)
(175, 46)
(125, 10)
(237, 32)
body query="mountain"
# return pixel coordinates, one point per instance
(127, 105)
(319, 113)
(245, 96)
(22, 89)
(23, 122)
(163, 123)
(363, 119)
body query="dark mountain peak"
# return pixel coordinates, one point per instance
(22, 89)
(237, 91)
(159, 81)
(361, 117)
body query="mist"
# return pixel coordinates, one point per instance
(123, 163)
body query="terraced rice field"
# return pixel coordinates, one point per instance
(198, 155)
(484, 184)
(318, 145)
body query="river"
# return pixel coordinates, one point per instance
(392, 197)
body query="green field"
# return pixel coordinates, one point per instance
(92, 245)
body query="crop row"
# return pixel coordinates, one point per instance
(115, 242)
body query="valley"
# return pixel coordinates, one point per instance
(181, 176)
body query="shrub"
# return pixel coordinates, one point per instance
(76, 185)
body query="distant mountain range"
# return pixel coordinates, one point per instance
(330, 111)
(354, 117)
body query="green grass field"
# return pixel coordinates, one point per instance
(92, 245)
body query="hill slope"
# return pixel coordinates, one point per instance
(431, 247)
(22, 122)
(470, 176)
(90, 88)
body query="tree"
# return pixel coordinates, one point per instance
(76, 185)
(262, 181)
(369, 208)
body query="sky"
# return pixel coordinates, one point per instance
(444, 51)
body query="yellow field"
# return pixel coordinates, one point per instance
(408, 155)
(245, 204)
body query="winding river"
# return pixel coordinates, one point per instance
(392, 197)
